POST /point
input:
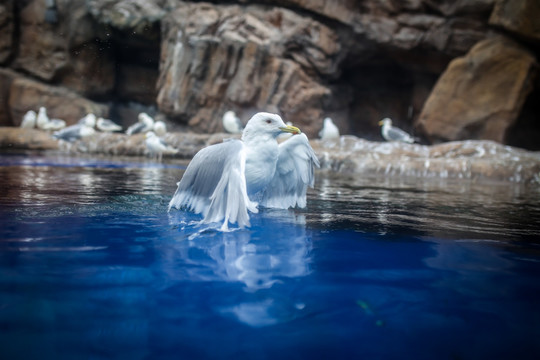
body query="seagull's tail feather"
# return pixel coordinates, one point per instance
(229, 201)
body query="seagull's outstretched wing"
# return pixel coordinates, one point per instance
(294, 173)
(214, 185)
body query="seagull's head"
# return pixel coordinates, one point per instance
(90, 120)
(146, 119)
(267, 124)
(385, 122)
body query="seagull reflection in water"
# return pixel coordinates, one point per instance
(262, 259)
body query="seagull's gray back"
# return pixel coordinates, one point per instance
(70, 133)
(396, 134)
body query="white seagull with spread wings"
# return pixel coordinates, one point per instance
(224, 181)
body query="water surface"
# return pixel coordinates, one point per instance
(93, 266)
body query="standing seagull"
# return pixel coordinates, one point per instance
(329, 130)
(84, 128)
(42, 118)
(157, 147)
(231, 123)
(223, 181)
(390, 133)
(29, 120)
(160, 128)
(107, 125)
(88, 120)
(144, 124)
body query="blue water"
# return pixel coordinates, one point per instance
(92, 266)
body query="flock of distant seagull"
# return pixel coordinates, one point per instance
(155, 130)
(232, 124)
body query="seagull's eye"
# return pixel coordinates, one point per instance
(268, 121)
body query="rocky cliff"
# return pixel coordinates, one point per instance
(447, 70)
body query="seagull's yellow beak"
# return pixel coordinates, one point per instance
(290, 129)
(381, 123)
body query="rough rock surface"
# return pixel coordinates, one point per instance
(26, 139)
(520, 17)
(6, 29)
(61, 46)
(468, 160)
(26, 94)
(481, 94)
(243, 58)
(472, 160)
(355, 61)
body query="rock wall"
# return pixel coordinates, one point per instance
(440, 68)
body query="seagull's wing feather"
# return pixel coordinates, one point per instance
(294, 173)
(214, 185)
(135, 128)
(396, 134)
(72, 132)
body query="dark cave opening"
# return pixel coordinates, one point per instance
(377, 90)
(525, 132)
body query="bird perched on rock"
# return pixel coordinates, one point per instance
(54, 125)
(329, 130)
(107, 125)
(157, 147)
(89, 120)
(224, 181)
(144, 124)
(391, 133)
(231, 123)
(84, 128)
(29, 120)
(160, 128)
(42, 118)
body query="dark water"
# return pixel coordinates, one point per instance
(93, 266)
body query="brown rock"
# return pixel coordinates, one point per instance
(61, 103)
(42, 48)
(6, 29)
(131, 16)
(67, 51)
(6, 78)
(216, 58)
(467, 160)
(28, 139)
(518, 16)
(480, 95)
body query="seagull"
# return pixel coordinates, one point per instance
(160, 128)
(29, 120)
(54, 125)
(231, 123)
(42, 118)
(89, 120)
(107, 125)
(329, 130)
(226, 180)
(144, 124)
(390, 133)
(157, 147)
(84, 128)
